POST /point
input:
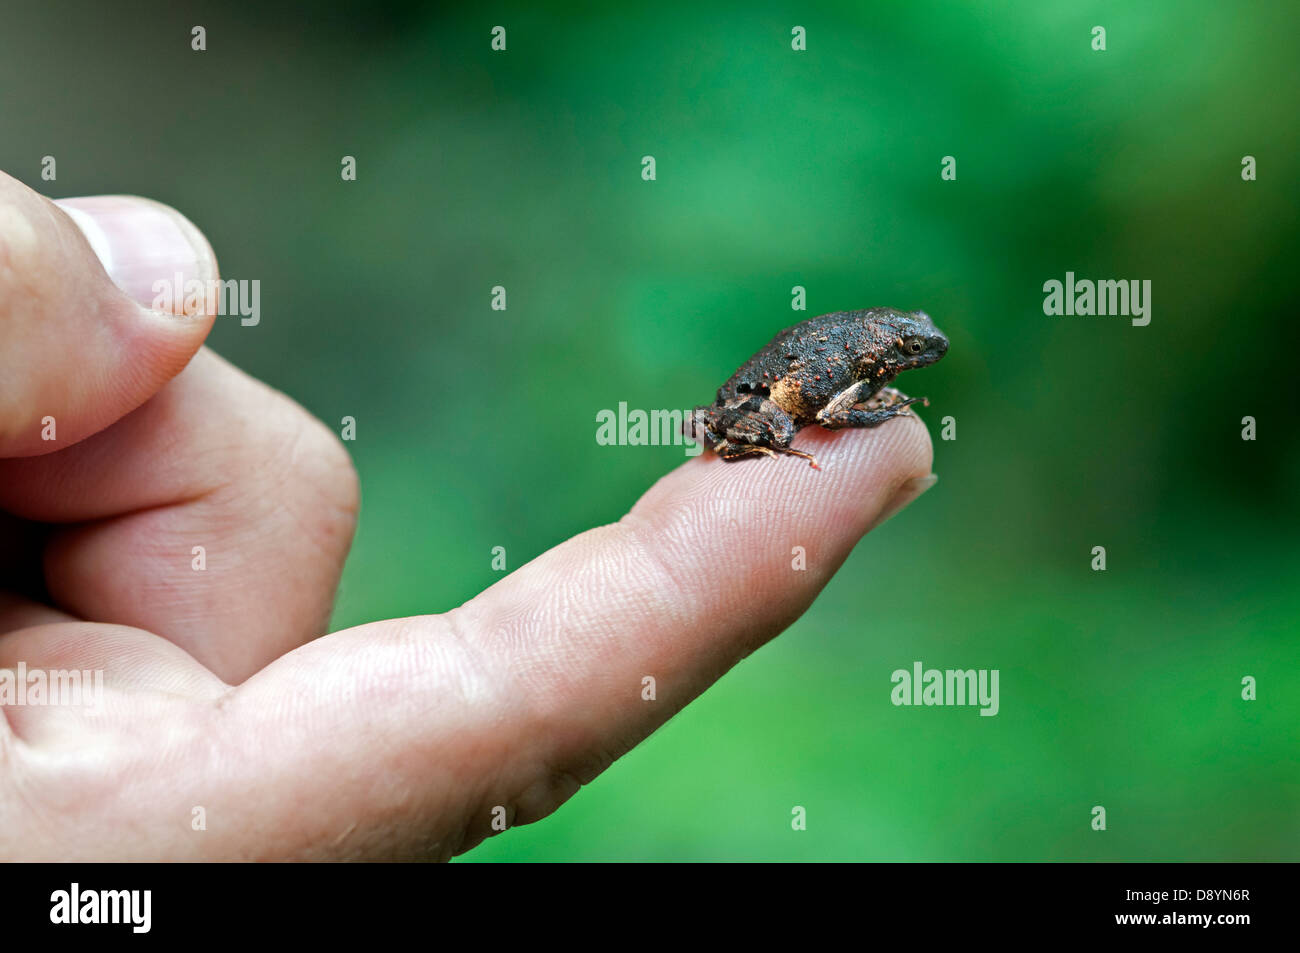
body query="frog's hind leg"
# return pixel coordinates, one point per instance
(753, 425)
(731, 451)
(754, 422)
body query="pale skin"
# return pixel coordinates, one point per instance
(392, 740)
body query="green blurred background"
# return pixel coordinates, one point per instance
(776, 168)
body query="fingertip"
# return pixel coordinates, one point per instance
(859, 473)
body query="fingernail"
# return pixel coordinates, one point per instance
(142, 243)
(905, 494)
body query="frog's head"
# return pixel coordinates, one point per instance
(919, 342)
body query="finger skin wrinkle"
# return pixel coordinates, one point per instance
(669, 556)
(557, 744)
(531, 617)
(505, 680)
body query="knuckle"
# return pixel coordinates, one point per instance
(329, 461)
(284, 461)
(320, 467)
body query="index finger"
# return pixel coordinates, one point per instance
(531, 689)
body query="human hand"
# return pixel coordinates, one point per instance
(402, 738)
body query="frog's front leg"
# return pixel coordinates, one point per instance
(889, 402)
(753, 425)
(843, 401)
(892, 397)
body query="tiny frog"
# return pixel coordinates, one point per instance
(819, 372)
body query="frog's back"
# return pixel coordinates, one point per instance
(820, 353)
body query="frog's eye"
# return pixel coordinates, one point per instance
(914, 345)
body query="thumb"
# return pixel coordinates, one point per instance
(80, 345)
